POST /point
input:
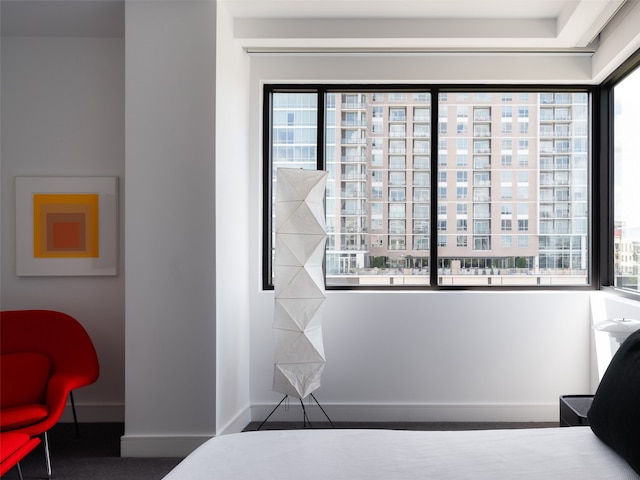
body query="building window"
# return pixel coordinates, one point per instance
(523, 225)
(378, 145)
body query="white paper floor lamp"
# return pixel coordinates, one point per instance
(299, 283)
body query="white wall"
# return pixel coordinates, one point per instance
(466, 355)
(62, 112)
(232, 225)
(454, 356)
(171, 227)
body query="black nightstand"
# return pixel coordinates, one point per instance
(573, 410)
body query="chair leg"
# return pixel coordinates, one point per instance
(73, 410)
(46, 454)
(19, 471)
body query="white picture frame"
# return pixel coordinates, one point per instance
(66, 226)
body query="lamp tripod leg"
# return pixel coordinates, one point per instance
(305, 418)
(325, 413)
(272, 411)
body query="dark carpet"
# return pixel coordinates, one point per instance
(95, 454)
(400, 425)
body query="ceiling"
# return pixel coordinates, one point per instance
(565, 25)
(432, 25)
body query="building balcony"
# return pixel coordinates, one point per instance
(354, 159)
(353, 247)
(556, 135)
(345, 194)
(354, 176)
(354, 106)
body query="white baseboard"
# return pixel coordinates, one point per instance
(178, 446)
(485, 412)
(237, 423)
(409, 412)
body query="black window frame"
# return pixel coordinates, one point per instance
(600, 159)
(606, 279)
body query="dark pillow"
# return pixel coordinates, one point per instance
(614, 415)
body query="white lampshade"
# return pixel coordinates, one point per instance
(299, 281)
(618, 328)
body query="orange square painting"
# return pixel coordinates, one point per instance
(66, 226)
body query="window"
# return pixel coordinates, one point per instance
(397, 146)
(397, 114)
(397, 130)
(421, 114)
(397, 194)
(626, 194)
(512, 200)
(421, 130)
(397, 162)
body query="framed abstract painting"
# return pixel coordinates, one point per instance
(66, 226)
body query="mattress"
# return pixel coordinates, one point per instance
(362, 454)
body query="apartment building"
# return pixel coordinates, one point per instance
(511, 184)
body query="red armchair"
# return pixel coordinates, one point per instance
(44, 356)
(13, 448)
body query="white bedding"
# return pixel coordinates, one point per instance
(341, 454)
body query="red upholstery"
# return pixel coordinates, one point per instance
(13, 448)
(23, 378)
(26, 336)
(22, 416)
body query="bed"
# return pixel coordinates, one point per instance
(608, 449)
(337, 454)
